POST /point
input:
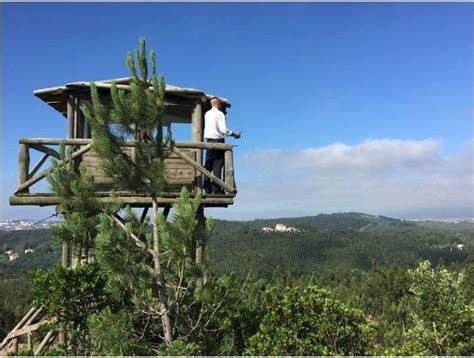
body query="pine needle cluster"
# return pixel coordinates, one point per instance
(78, 203)
(133, 113)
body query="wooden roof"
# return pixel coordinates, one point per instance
(178, 107)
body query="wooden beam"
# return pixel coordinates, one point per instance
(38, 177)
(25, 318)
(166, 211)
(44, 342)
(25, 326)
(28, 329)
(144, 213)
(204, 171)
(44, 149)
(229, 168)
(84, 141)
(33, 317)
(38, 165)
(23, 165)
(137, 201)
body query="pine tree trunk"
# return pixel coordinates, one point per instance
(162, 295)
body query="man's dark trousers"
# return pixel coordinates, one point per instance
(214, 163)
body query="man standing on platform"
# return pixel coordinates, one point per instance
(215, 131)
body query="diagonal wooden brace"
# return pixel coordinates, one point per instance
(38, 177)
(203, 170)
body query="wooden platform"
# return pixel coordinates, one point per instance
(183, 167)
(46, 199)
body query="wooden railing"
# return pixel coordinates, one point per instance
(182, 152)
(27, 326)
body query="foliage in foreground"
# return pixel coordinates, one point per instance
(443, 316)
(307, 321)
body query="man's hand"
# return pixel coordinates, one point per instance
(236, 135)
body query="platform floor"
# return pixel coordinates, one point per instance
(132, 199)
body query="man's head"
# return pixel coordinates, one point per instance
(215, 102)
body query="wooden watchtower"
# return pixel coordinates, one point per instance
(184, 167)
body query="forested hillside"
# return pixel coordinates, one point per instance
(362, 260)
(338, 242)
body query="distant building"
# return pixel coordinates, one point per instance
(13, 255)
(460, 246)
(280, 228)
(27, 251)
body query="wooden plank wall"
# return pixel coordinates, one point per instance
(178, 172)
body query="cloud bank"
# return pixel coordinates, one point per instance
(379, 176)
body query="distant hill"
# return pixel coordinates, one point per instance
(338, 221)
(329, 240)
(335, 242)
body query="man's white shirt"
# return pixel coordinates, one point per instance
(214, 125)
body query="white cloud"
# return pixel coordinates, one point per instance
(376, 176)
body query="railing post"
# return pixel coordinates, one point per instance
(197, 136)
(23, 165)
(71, 106)
(229, 168)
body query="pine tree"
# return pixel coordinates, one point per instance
(135, 113)
(78, 206)
(71, 295)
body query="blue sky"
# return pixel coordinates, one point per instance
(383, 91)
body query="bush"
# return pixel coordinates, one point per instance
(306, 321)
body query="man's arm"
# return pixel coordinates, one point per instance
(221, 127)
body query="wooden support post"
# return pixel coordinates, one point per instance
(229, 168)
(23, 165)
(78, 126)
(76, 256)
(65, 264)
(197, 136)
(201, 227)
(70, 116)
(29, 341)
